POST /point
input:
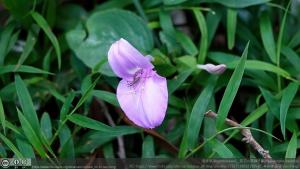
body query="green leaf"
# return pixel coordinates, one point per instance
(220, 148)
(204, 36)
(292, 147)
(21, 69)
(148, 150)
(232, 61)
(6, 35)
(106, 96)
(231, 89)
(287, 97)
(96, 125)
(2, 116)
(91, 47)
(194, 123)
(291, 56)
(173, 2)
(30, 42)
(31, 135)
(237, 4)
(295, 41)
(174, 84)
(66, 106)
(11, 146)
(25, 148)
(27, 104)
(67, 149)
(267, 36)
(46, 126)
(69, 16)
(186, 43)
(231, 27)
(40, 20)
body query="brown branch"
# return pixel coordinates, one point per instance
(248, 138)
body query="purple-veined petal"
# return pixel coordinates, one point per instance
(144, 103)
(125, 60)
(214, 69)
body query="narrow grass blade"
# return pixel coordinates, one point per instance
(21, 69)
(4, 41)
(231, 27)
(27, 104)
(231, 90)
(292, 147)
(12, 147)
(106, 96)
(175, 83)
(194, 123)
(66, 106)
(30, 42)
(267, 36)
(204, 35)
(2, 117)
(40, 20)
(186, 43)
(287, 97)
(31, 135)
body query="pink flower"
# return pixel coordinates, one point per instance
(142, 93)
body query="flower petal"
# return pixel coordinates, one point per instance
(125, 60)
(214, 69)
(145, 104)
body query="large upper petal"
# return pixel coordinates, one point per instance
(145, 103)
(125, 60)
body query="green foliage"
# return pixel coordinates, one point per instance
(58, 92)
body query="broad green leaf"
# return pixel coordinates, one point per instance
(292, 147)
(267, 36)
(186, 43)
(46, 126)
(204, 35)
(21, 69)
(69, 16)
(231, 27)
(237, 3)
(2, 116)
(12, 147)
(67, 149)
(107, 97)
(40, 20)
(287, 97)
(19, 8)
(91, 47)
(27, 104)
(231, 89)
(148, 150)
(194, 123)
(31, 135)
(25, 148)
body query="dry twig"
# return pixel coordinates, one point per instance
(248, 138)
